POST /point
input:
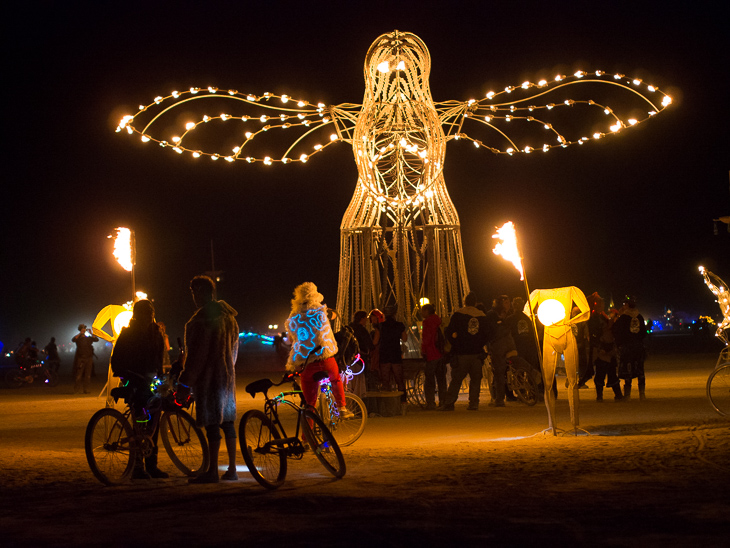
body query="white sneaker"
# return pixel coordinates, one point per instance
(345, 413)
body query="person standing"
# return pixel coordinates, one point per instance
(603, 347)
(432, 348)
(137, 358)
(392, 332)
(468, 333)
(83, 358)
(211, 349)
(501, 345)
(366, 347)
(630, 331)
(51, 350)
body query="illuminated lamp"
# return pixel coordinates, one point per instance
(550, 312)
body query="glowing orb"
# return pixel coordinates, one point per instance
(550, 312)
(122, 320)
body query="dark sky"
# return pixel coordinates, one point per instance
(631, 214)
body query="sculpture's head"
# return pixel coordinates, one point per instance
(397, 62)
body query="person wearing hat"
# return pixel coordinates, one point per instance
(83, 358)
(629, 332)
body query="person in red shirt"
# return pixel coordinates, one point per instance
(432, 348)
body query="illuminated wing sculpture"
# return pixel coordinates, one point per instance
(400, 235)
(721, 291)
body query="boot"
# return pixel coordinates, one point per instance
(210, 475)
(642, 395)
(599, 394)
(139, 471)
(150, 464)
(627, 392)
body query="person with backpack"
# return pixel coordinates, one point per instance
(432, 348)
(137, 358)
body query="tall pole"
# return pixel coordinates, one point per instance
(539, 356)
(133, 245)
(510, 251)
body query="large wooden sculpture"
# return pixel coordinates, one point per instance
(400, 235)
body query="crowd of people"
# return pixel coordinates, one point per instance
(610, 349)
(610, 345)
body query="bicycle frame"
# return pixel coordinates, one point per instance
(291, 446)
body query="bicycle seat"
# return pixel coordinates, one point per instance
(122, 392)
(259, 386)
(320, 375)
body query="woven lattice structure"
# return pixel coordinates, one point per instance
(400, 238)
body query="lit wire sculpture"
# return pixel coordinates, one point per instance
(400, 235)
(721, 291)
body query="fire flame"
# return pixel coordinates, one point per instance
(123, 248)
(507, 247)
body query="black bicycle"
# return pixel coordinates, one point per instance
(115, 440)
(265, 444)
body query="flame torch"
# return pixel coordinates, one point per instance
(508, 250)
(125, 252)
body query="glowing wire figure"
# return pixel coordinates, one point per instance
(720, 290)
(400, 235)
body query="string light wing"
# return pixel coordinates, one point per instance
(721, 292)
(556, 113)
(400, 235)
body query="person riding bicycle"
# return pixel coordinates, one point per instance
(137, 358)
(308, 327)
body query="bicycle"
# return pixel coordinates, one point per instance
(718, 383)
(346, 430)
(522, 380)
(265, 444)
(114, 441)
(29, 372)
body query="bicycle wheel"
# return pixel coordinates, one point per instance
(52, 378)
(14, 378)
(323, 443)
(524, 386)
(718, 389)
(267, 463)
(347, 431)
(184, 442)
(109, 450)
(415, 390)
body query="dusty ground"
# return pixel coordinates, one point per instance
(653, 473)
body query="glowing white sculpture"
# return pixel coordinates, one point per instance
(720, 290)
(400, 235)
(556, 310)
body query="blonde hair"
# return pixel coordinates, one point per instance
(306, 297)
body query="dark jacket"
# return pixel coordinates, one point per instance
(468, 331)
(138, 349)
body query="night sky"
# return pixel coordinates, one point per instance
(630, 214)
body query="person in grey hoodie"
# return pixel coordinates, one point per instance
(468, 333)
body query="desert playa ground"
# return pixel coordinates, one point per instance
(651, 473)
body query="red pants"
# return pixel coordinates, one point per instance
(310, 388)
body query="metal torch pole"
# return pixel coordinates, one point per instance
(547, 386)
(133, 252)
